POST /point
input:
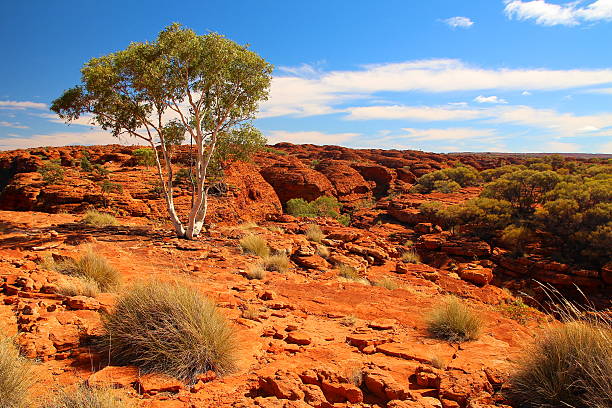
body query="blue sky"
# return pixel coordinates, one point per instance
(477, 75)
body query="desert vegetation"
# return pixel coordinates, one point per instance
(15, 376)
(92, 271)
(99, 219)
(171, 329)
(84, 396)
(452, 320)
(323, 206)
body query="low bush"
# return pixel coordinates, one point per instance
(278, 262)
(387, 283)
(446, 186)
(144, 156)
(570, 365)
(99, 219)
(516, 238)
(256, 245)
(52, 172)
(88, 397)
(314, 233)
(454, 321)
(255, 272)
(171, 329)
(15, 376)
(324, 206)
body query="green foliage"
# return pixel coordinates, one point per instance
(144, 156)
(446, 186)
(101, 170)
(270, 149)
(523, 189)
(482, 215)
(184, 176)
(171, 329)
(15, 376)
(516, 238)
(323, 206)
(108, 186)
(52, 172)
(461, 175)
(454, 321)
(85, 163)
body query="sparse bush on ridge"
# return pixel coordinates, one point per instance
(15, 376)
(52, 172)
(454, 321)
(256, 245)
(314, 233)
(84, 396)
(321, 207)
(144, 156)
(171, 329)
(99, 219)
(447, 180)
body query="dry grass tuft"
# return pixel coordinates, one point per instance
(569, 364)
(348, 321)
(348, 272)
(90, 267)
(277, 229)
(454, 321)
(99, 219)
(15, 376)
(323, 251)
(256, 271)
(256, 245)
(314, 233)
(438, 362)
(387, 283)
(89, 397)
(171, 329)
(278, 263)
(78, 286)
(411, 256)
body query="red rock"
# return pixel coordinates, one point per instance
(282, 385)
(298, 337)
(114, 377)
(82, 303)
(154, 383)
(476, 275)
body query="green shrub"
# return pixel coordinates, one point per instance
(86, 164)
(184, 176)
(256, 245)
(461, 175)
(85, 396)
(171, 329)
(453, 321)
(89, 266)
(298, 207)
(516, 238)
(446, 186)
(278, 262)
(15, 376)
(101, 170)
(99, 219)
(568, 365)
(52, 172)
(314, 233)
(270, 149)
(108, 186)
(321, 207)
(144, 156)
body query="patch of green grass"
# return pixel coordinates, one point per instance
(171, 329)
(99, 219)
(454, 321)
(15, 376)
(517, 310)
(256, 245)
(84, 396)
(314, 233)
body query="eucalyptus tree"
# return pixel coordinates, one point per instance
(206, 87)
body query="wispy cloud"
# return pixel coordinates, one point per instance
(420, 113)
(321, 93)
(568, 14)
(449, 134)
(458, 22)
(22, 105)
(319, 138)
(14, 125)
(489, 99)
(96, 137)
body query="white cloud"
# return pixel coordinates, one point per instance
(561, 147)
(318, 138)
(489, 99)
(22, 105)
(605, 148)
(321, 93)
(525, 93)
(96, 137)
(605, 91)
(14, 125)
(422, 113)
(549, 14)
(459, 22)
(448, 134)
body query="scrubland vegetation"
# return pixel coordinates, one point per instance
(99, 219)
(321, 207)
(84, 396)
(454, 321)
(92, 271)
(15, 376)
